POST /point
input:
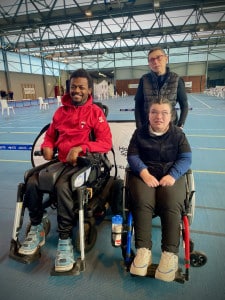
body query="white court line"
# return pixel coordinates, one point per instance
(18, 132)
(205, 135)
(15, 161)
(194, 97)
(7, 127)
(209, 172)
(208, 148)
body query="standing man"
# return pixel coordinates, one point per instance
(159, 83)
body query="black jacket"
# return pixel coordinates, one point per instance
(161, 153)
(152, 87)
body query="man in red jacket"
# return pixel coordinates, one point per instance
(69, 131)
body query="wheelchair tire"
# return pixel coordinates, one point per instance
(191, 188)
(116, 200)
(90, 236)
(198, 259)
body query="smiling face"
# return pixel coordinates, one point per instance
(157, 61)
(160, 117)
(79, 90)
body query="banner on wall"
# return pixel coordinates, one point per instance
(29, 91)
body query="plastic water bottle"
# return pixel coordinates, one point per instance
(117, 230)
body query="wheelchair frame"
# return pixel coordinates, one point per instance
(89, 200)
(92, 198)
(191, 257)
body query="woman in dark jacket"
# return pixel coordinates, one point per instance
(159, 155)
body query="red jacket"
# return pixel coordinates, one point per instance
(71, 126)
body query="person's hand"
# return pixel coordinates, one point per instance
(150, 180)
(47, 153)
(167, 180)
(73, 154)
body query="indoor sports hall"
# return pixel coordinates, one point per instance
(168, 47)
(105, 276)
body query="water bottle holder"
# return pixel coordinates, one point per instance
(116, 239)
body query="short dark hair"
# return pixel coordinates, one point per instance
(156, 49)
(83, 74)
(161, 101)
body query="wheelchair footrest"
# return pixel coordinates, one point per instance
(25, 259)
(179, 275)
(151, 273)
(79, 266)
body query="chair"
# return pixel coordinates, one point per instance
(193, 258)
(59, 100)
(6, 107)
(43, 104)
(91, 183)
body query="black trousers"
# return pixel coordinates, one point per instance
(166, 202)
(64, 196)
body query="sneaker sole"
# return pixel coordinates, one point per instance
(64, 268)
(165, 277)
(139, 271)
(31, 252)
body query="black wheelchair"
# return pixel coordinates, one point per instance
(191, 257)
(93, 185)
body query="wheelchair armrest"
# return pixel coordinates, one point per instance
(30, 172)
(90, 165)
(189, 171)
(80, 177)
(83, 161)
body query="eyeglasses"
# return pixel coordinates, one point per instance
(158, 58)
(163, 113)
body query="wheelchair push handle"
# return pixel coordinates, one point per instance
(38, 153)
(82, 161)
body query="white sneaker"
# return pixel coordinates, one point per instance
(141, 262)
(167, 267)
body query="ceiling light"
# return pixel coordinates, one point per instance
(101, 74)
(156, 4)
(88, 13)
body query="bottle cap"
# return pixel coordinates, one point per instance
(117, 219)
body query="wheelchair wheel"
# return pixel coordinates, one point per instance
(191, 189)
(191, 246)
(198, 259)
(90, 236)
(38, 160)
(117, 197)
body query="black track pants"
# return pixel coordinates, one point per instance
(65, 201)
(166, 202)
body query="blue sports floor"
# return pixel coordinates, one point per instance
(105, 277)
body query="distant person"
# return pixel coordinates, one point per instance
(160, 82)
(3, 94)
(10, 95)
